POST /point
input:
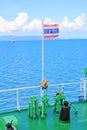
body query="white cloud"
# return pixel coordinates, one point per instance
(20, 24)
(33, 26)
(77, 24)
(7, 26)
(36, 25)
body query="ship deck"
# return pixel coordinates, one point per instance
(52, 122)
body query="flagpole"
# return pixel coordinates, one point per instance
(42, 50)
(48, 31)
(42, 91)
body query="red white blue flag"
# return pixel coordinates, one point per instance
(51, 30)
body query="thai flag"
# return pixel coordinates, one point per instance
(51, 30)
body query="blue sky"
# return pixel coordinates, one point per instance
(23, 17)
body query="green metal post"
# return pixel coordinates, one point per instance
(36, 108)
(62, 97)
(44, 105)
(58, 99)
(33, 107)
(56, 104)
(30, 110)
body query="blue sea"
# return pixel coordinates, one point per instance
(21, 62)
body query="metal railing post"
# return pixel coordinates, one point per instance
(18, 106)
(85, 89)
(62, 87)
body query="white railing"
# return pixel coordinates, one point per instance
(18, 98)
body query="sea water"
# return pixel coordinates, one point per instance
(21, 62)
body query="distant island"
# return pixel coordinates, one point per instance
(19, 38)
(27, 38)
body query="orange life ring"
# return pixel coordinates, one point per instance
(44, 84)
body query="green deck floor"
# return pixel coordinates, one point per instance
(51, 122)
